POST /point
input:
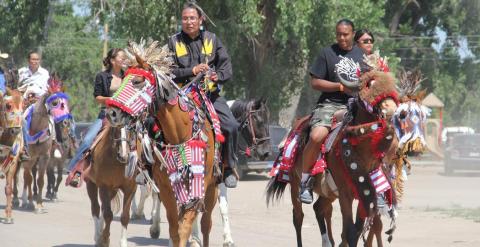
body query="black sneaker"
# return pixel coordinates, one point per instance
(306, 195)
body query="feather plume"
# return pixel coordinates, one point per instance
(409, 82)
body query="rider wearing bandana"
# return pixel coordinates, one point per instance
(198, 51)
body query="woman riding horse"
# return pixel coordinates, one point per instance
(106, 83)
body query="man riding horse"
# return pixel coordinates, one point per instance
(334, 97)
(199, 51)
(33, 82)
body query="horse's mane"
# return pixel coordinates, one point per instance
(149, 56)
(240, 107)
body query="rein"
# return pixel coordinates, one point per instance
(248, 123)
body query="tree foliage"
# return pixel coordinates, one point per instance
(272, 42)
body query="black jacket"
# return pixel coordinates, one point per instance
(103, 80)
(190, 52)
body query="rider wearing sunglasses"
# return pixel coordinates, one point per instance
(364, 39)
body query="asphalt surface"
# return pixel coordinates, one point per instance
(68, 222)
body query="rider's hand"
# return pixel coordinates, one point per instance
(214, 77)
(200, 68)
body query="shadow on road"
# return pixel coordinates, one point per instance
(254, 177)
(471, 174)
(73, 245)
(142, 241)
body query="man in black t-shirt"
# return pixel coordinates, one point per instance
(334, 96)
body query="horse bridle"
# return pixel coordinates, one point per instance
(248, 123)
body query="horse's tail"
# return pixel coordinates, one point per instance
(275, 190)
(116, 203)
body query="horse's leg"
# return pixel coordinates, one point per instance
(92, 190)
(377, 229)
(106, 195)
(328, 219)
(34, 181)
(185, 227)
(155, 227)
(223, 203)
(297, 205)
(8, 193)
(349, 231)
(321, 208)
(128, 192)
(16, 201)
(170, 203)
(27, 197)
(50, 181)
(59, 179)
(42, 168)
(139, 213)
(206, 221)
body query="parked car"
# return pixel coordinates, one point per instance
(246, 164)
(462, 152)
(81, 129)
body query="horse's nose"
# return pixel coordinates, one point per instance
(66, 123)
(62, 106)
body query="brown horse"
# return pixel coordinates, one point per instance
(409, 121)
(356, 151)
(11, 143)
(174, 113)
(104, 177)
(39, 141)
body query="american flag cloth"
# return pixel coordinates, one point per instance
(197, 168)
(213, 114)
(131, 99)
(175, 178)
(379, 180)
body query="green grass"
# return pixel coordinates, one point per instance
(457, 211)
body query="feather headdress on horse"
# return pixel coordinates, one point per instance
(148, 74)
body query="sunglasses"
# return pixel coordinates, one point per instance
(367, 41)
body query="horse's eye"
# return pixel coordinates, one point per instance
(55, 103)
(8, 107)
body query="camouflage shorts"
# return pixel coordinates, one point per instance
(323, 113)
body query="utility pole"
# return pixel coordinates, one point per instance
(105, 41)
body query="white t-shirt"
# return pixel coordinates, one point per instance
(30, 82)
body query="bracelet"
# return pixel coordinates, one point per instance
(341, 88)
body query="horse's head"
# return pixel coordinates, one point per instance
(12, 105)
(254, 119)
(139, 85)
(375, 88)
(58, 107)
(410, 117)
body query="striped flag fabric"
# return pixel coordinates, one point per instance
(133, 100)
(379, 180)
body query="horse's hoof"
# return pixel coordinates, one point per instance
(229, 244)
(123, 243)
(49, 196)
(29, 206)
(7, 221)
(154, 233)
(15, 203)
(35, 197)
(195, 242)
(55, 196)
(138, 217)
(40, 210)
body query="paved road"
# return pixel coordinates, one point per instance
(68, 222)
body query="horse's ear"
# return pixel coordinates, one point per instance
(8, 91)
(264, 100)
(257, 103)
(421, 95)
